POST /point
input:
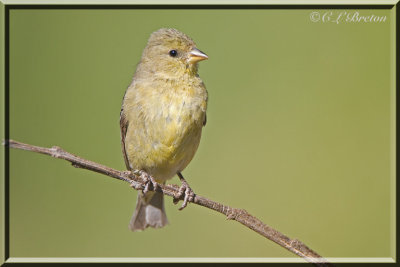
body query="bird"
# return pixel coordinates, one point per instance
(162, 115)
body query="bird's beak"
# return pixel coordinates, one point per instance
(196, 55)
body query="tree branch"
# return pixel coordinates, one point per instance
(240, 215)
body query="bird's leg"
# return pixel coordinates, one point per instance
(148, 179)
(184, 189)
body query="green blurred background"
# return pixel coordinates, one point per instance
(299, 133)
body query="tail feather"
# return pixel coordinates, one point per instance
(149, 212)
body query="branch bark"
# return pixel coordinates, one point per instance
(239, 215)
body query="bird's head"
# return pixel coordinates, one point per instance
(171, 52)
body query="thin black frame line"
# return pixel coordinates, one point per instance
(199, 6)
(7, 9)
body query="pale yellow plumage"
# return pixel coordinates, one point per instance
(162, 115)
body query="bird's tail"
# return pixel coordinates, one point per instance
(149, 212)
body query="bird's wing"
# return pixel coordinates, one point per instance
(123, 123)
(205, 115)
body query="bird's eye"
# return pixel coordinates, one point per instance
(173, 53)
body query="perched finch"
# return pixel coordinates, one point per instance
(162, 116)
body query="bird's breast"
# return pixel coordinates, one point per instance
(165, 123)
(181, 113)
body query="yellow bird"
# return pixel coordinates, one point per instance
(162, 116)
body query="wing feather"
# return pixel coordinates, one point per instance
(123, 123)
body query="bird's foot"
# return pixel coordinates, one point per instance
(149, 180)
(132, 183)
(184, 189)
(127, 173)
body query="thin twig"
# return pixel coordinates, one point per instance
(240, 215)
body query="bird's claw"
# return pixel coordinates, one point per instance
(149, 180)
(132, 183)
(184, 189)
(127, 173)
